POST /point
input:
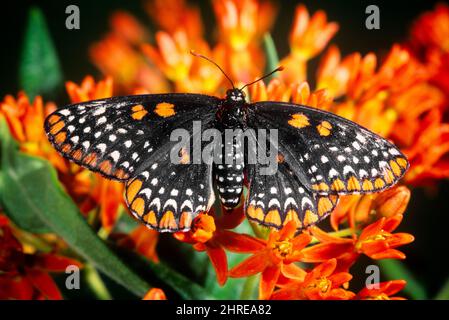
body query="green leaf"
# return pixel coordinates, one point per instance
(31, 193)
(271, 55)
(161, 274)
(184, 287)
(40, 71)
(394, 269)
(443, 294)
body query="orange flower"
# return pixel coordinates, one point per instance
(308, 37)
(212, 235)
(300, 93)
(89, 90)
(322, 283)
(126, 26)
(189, 74)
(382, 291)
(273, 257)
(155, 294)
(115, 56)
(26, 124)
(169, 15)
(243, 22)
(362, 209)
(143, 240)
(375, 241)
(26, 276)
(431, 29)
(106, 193)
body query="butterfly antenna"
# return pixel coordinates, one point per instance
(206, 58)
(265, 76)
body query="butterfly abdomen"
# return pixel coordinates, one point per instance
(229, 174)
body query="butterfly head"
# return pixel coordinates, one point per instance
(235, 96)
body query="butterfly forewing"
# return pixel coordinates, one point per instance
(330, 154)
(115, 136)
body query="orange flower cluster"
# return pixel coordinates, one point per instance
(402, 98)
(24, 275)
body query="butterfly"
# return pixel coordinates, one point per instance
(320, 156)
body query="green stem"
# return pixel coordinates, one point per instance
(271, 54)
(95, 282)
(248, 288)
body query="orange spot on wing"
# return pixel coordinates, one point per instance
(299, 120)
(353, 184)
(168, 221)
(293, 216)
(57, 127)
(66, 148)
(273, 218)
(338, 185)
(53, 119)
(77, 154)
(402, 162)
(379, 183)
(367, 185)
(388, 176)
(150, 218)
(310, 217)
(60, 137)
(395, 167)
(120, 174)
(185, 157)
(324, 128)
(324, 206)
(91, 159)
(165, 109)
(132, 189)
(106, 167)
(320, 187)
(138, 112)
(185, 221)
(138, 206)
(255, 213)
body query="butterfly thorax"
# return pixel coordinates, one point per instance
(229, 176)
(232, 112)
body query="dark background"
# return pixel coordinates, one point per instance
(428, 215)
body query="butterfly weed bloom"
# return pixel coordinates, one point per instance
(274, 257)
(323, 282)
(155, 294)
(26, 275)
(382, 291)
(211, 234)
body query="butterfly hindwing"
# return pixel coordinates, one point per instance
(330, 154)
(273, 200)
(167, 196)
(115, 136)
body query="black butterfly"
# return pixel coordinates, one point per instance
(320, 156)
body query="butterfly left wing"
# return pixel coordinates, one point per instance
(115, 136)
(167, 194)
(329, 154)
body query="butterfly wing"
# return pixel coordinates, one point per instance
(114, 136)
(274, 200)
(167, 195)
(330, 154)
(128, 139)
